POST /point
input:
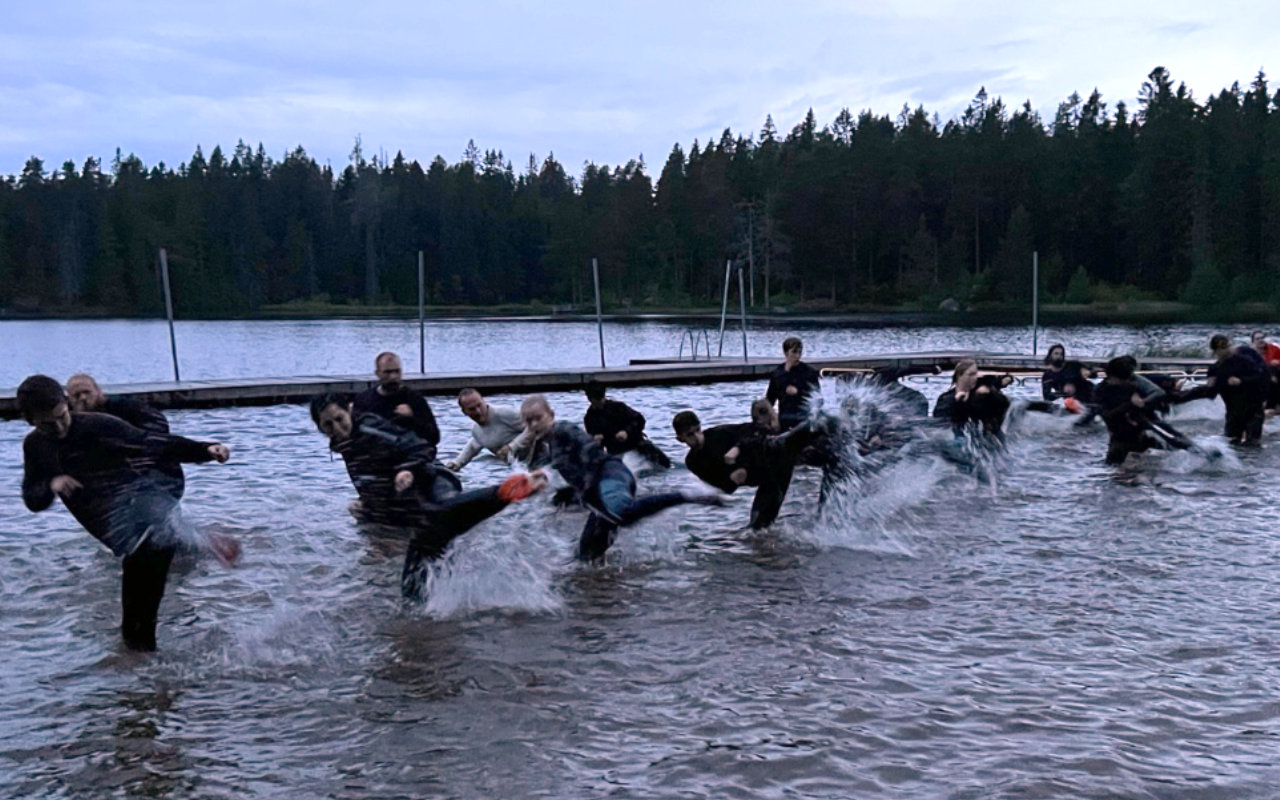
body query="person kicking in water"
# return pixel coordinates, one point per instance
(1240, 377)
(88, 460)
(600, 482)
(84, 394)
(1128, 407)
(399, 484)
(746, 454)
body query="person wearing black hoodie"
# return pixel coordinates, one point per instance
(619, 428)
(399, 483)
(89, 460)
(1240, 377)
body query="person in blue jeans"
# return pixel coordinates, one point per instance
(601, 483)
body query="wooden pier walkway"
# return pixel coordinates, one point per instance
(641, 372)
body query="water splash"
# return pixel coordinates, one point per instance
(506, 563)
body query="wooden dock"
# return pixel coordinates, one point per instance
(641, 372)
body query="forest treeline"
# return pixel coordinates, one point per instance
(1178, 199)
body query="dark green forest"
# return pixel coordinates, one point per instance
(1178, 199)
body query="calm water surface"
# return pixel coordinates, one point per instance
(1066, 630)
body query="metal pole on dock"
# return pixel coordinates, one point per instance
(422, 328)
(1035, 301)
(595, 275)
(168, 310)
(724, 305)
(742, 300)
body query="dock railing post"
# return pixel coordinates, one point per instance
(724, 305)
(422, 328)
(595, 275)
(168, 310)
(1035, 302)
(742, 300)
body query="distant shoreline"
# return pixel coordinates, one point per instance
(1133, 313)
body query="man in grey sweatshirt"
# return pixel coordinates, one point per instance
(497, 429)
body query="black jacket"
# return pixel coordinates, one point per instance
(116, 502)
(423, 422)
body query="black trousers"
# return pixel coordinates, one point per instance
(141, 589)
(439, 523)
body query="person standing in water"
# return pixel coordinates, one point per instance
(1128, 407)
(601, 483)
(746, 454)
(792, 385)
(972, 402)
(619, 428)
(87, 459)
(1240, 377)
(392, 400)
(1063, 378)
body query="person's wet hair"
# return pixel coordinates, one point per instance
(761, 410)
(1121, 367)
(1219, 341)
(39, 394)
(791, 343)
(962, 366)
(594, 390)
(322, 401)
(1048, 356)
(684, 422)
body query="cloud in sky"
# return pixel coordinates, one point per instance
(594, 81)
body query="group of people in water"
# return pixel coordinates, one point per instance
(118, 468)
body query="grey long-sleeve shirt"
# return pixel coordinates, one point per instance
(503, 429)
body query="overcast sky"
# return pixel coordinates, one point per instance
(590, 80)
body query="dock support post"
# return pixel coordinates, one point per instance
(724, 305)
(422, 328)
(1035, 302)
(595, 275)
(168, 310)
(742, 301)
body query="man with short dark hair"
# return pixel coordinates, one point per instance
(1240, 377)
(747, 454)
(399, 484)
(394, 401)
(792, 385)
(617, 427)
(86, 459)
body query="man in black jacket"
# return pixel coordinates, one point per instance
(394, 401)
(1240, 378)
(792, 385)
(88, 460)
(619, 428)
(746, 454)
(84, 394)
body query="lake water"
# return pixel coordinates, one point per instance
(1064, 630)
(122, 351)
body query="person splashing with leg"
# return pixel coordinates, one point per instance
(600, 482)
(399, 484)
(89, 460)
